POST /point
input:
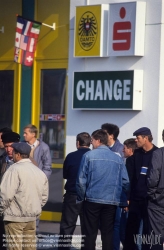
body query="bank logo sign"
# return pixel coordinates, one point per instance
(91, 31)
(122, 22)
(116, 29)
(119, 90)
(122, 33)
(87, 30)
(127, 29)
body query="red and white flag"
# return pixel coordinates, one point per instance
(28, 58)
(27, 33)
(17, 39)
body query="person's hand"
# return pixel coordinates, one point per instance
(126, 209)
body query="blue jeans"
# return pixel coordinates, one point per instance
(120, 228)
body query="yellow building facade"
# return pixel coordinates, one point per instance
(37, 94)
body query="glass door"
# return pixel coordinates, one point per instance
(52, 111)
(52, 132)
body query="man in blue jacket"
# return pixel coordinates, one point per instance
(113, 143)
(115, 146)
(70, 209)
(102, 179)
(40, 152)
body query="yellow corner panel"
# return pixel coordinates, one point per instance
(50, 216)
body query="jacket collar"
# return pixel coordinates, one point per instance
(24, 160)
(103, 146)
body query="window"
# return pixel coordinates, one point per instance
(52, 113)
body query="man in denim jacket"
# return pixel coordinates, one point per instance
(101, 180)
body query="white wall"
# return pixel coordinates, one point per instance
(152, 63)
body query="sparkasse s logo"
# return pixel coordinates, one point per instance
(122, 22)
(122, 33)
(87, 31)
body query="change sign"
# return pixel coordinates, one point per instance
(108, 90)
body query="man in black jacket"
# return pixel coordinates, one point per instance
(155, 182)
(129, 146)
(138, 195)
(7, 159)
(2, 149)
(70, 209)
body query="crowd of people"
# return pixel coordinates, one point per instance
(115, 188)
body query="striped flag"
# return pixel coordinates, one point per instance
(27, 33)
(31, 46)
(23, 42)
(35, 30)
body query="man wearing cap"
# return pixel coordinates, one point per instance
(7, 160)
(3, 155)
(138, 195)
(2, 148)
(24, 191)
(3, 131)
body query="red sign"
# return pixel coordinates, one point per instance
(122, 33)
(122, 28)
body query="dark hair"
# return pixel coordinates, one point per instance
(23, 156)
(150, 137)
(84, 139)
(5, 130)
(130, 143)
(111, 129)
(32, 128)
(101, 135)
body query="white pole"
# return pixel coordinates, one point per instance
(52, 27)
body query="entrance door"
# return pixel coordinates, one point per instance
(51, 92)
(52, 130)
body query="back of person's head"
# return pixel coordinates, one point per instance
(101, 135)
(32, 128)
(2, 132)
(84, 139)
(5, 130)
(111, 129)
(130, 143)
